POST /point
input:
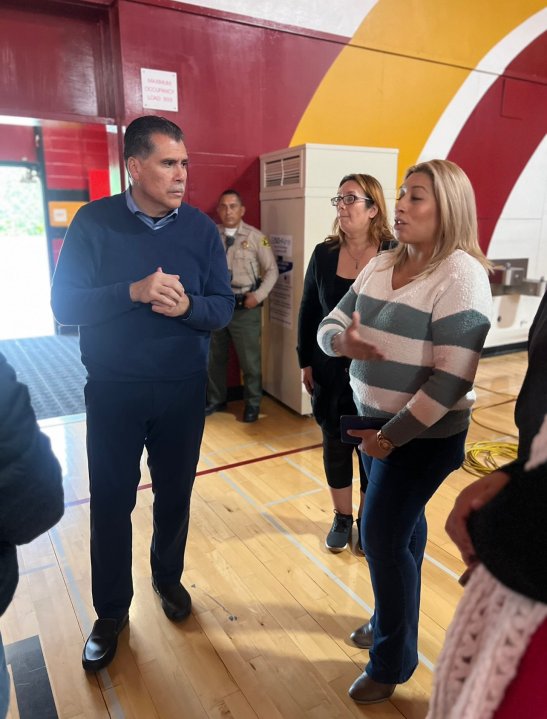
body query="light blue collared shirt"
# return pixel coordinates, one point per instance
(148, 221)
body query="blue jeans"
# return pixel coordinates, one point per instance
(394, 531)
(4, 683)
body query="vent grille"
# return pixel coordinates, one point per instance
(283, 172)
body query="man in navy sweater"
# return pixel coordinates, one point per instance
(144, 276)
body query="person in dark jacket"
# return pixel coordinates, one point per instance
(492, 663)
(359, 232)
(31, 490)
(144, 275)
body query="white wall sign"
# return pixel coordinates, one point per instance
(159, 90)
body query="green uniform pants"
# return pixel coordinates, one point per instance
(245, 331)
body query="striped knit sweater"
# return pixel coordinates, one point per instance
(431, 332)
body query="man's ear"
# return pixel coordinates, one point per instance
(242, 210)
(133, 168)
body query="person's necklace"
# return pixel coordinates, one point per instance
(357, 259)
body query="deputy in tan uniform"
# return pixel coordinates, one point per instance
(254, 272)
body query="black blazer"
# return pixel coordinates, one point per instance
(332, 394)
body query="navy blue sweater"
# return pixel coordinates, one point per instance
(107, 248)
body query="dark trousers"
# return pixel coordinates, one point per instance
(338, 462)
(122, 419)
(245, 331)
(394, 531)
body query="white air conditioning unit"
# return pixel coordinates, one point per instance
(296, 185)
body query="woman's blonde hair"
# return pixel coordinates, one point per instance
(379, 229)
(457, 209)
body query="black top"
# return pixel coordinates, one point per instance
(531, 404)
(323, 289)
(510, 532)
(340, 287)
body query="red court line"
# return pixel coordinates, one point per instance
(222, 468)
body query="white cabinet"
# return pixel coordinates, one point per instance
(296, 185)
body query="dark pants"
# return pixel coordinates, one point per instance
(338, 462)
(122, 418)
(245, 331)
(394, 531)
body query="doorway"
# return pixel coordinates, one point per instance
(25, 286)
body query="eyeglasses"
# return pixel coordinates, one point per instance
(349, 199)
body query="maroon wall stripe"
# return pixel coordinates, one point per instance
(503, 132)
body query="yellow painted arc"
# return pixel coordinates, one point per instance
(391, 84)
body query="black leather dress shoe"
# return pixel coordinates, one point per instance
(101, 645)
(363, 636)
(366, 690)
(251, 414)
(214, 407)
(175, 600)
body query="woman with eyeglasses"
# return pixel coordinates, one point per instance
(414, 324)
(360, 230)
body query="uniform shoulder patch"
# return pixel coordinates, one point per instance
(265, 241)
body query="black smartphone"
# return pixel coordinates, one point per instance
(354, 421)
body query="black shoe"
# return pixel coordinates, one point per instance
(366, 690)
(251, 414)
(101, 645)
(363, 636)
(175, 600)
(214, 407)
(340, 532)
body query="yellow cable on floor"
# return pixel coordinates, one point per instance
(482, 457)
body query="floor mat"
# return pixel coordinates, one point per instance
(52, 370)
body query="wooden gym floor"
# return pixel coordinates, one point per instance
(272, 609)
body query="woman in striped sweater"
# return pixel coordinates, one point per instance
(414, 324)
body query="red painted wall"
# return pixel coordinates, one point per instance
(242, 90)
(512, 108)
(55, 61)
(17, 144)
(242, 87)
(70, 151)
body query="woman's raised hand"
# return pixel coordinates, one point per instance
(352, 345)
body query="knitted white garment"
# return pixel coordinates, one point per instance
(484, 645)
